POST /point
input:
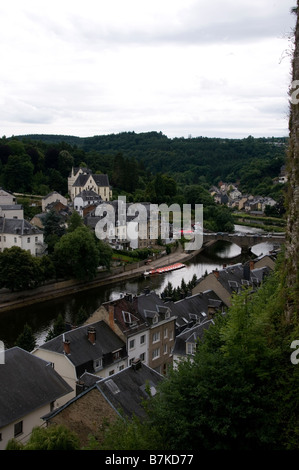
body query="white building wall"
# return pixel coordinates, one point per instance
(28, 422)
(26, 242)
(6, 198)
(137, 347)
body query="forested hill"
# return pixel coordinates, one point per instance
(195, 160)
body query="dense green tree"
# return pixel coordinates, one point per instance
(54, 229)
(105, 253)
(196, 194)
(19, 270)
(56, 181)
(26, 339)
(57, 329)
(55, 437)
(18, 174)
(74, 221)
(77, 254)
(125, 434)
(51, 157)
(65, 163)
(46, 268)
(81, 316)
(232, 395)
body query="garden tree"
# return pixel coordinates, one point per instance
(81, 316)
(179, 292)
(46, 268)
(105, 253)
(19, 270)
(74, 221)
(26, 339)
(54, 229)
(136, 435)
(77, 254)
(54, 437)
(57, 329)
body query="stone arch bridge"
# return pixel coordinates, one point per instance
(245, 240)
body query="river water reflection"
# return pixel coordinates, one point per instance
(41, 316)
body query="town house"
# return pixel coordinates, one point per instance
(30, 388)
(93, 348)
(19, 232)
(147, 325)
(105, 400)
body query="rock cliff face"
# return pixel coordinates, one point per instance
(292, 241)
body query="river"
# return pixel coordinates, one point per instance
(41, 316)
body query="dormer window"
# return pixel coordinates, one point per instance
(98, 364)
(190, 348)
(167, 314)
(116, 355)
(155, 319)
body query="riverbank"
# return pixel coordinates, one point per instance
(268, 224)
(14, 300)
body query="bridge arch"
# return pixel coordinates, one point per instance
(245, 241)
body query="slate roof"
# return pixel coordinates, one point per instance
(194, 308)
(89, 195)
(126, 390)
(234, 278)
(82, 351)
(17, 226)
(84, 169)
(190, 335)
(27, 383)
(126, 316)
(148, 305)
(100, 180)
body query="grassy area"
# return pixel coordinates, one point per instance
(124, 258)
(270, 224)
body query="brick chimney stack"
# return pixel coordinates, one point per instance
(66, 346)
(216, 273)
(91, 333)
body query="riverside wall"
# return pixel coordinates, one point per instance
(12, 300)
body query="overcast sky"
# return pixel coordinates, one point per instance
(215, 68)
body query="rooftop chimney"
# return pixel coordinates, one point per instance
(216, 273)
(91, 333)
(66, 346)
(136, 364)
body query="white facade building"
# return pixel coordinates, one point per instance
(19, 232)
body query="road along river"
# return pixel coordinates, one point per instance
(40, 317)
